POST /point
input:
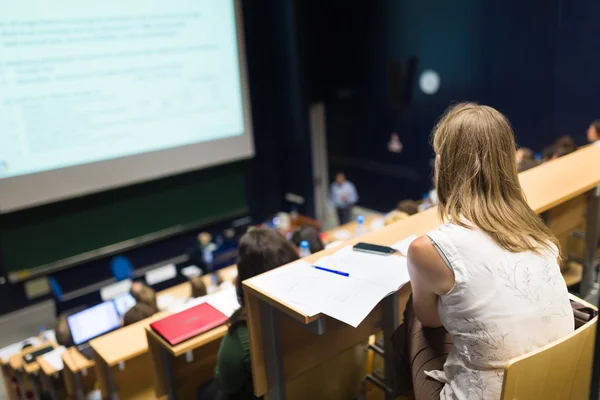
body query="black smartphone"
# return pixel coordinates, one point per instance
(29, 358)
(373, 248)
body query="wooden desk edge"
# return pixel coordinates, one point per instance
(289, 310)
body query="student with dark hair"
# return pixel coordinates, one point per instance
(408, 206)
(137, 313)
(260, 250)
(593, 132)
(524, 154)
(144, 294)
(527, 164)
(63, 333)
(563, 151)
(199, 288)
(311, 235)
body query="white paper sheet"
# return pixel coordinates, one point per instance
(334, 244)
(349, 299)
(342, 235)
(389, 271)
(403, 245)
(223, 300)
(11, 350)
(54, 358)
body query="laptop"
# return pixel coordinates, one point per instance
(124, 303)
(92, 323)
(186, 324)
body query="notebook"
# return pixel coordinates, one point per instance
(179, 327)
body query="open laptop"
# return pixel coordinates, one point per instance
(124, 303)
(91, 323)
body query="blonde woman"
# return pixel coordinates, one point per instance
(489, 275)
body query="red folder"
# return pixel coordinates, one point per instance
(189, 323)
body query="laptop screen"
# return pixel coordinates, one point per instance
(124, 303)
(93, 322)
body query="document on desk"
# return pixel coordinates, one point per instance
(224, 300)
(54, 358)
(349, 299)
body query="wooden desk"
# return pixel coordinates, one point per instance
(123, 363)
(173, 374)
(78, 373)
(53, 381)
(28, 376)
(350, 227)
(280, 351)
(7, 376)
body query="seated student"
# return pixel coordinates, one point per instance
(63, 333)
(311, 235)
(408, 206)
(486, 285)
(563, 151)
(527, 164)
(593, 132)
(144, 294)
(198, 287)
(137, 313)
(524, 154)
(260, 250)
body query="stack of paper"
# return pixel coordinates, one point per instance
(349, 299)
(11, 350)
(54, 358)
(224, 300)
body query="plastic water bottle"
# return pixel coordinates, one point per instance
(212, 287)
(361, 229)
(304, 249)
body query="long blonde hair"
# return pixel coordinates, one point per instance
(477, 182)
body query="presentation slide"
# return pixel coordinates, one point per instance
(84, 82)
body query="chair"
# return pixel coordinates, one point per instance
(559, 370)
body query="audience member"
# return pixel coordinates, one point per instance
(566, 141)
(563, 151)
(548, 152)
(260, 250)
(492, 243)
(343, 196)
(198, 287)
(527, 164)
(311, 235)
(593, 132)
(137, 313)
(63, 333)
(144, 294)
(524, 154)
(408, 206)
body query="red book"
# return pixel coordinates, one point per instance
(189, 323)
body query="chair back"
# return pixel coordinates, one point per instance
(559, 370)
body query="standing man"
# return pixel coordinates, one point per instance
(343, 197)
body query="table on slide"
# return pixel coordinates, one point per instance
(281, 351)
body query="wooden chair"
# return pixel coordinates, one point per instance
(559, 370)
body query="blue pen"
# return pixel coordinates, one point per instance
(333, 271)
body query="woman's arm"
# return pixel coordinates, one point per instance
(430, 277)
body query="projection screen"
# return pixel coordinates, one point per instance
(96, 95)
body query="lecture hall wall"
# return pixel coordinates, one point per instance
(537, 61)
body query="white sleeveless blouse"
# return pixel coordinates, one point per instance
(502, 305)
